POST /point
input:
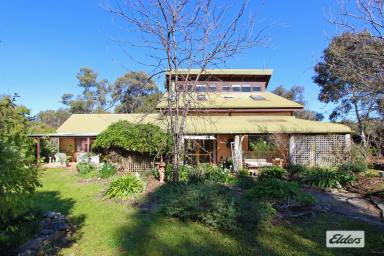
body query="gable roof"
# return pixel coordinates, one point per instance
(97, 123)
(240, 100)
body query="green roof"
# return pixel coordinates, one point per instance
(96, 123)
(238, 100)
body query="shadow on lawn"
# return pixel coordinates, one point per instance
(153, 234)
(44, 201)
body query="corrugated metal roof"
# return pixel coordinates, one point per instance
(244, 72)
(96, 123)
(236, 100)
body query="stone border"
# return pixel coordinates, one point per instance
(54, 231)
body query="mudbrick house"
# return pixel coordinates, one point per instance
(233, 113)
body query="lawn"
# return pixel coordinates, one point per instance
(111, 228)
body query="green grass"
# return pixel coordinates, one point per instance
(111, 228)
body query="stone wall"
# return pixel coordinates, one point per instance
(55, 232)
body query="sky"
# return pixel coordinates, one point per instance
(43, 44)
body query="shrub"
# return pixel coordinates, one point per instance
(107, 170)
(263, 149)
(358, 167)
(85, 168)
(244, 180)
(199, 173)
(204, 172)
(124, 187)
(141, 138)
(295, 170)
(328, 177)
(210, 203)
(272, 172)
(277, 190)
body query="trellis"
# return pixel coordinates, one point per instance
(319, 150)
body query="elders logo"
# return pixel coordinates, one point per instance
(345, 239)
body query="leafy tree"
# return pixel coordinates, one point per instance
(296, 93)
(18, 172)
(53, 118)
(135, 92)
(95, 97)
(350, 74)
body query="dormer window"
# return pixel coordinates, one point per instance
(236, 88)
(212, 88)
(246, 88)
(201, 88)
(256, 88)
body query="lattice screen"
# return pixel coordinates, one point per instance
(319, 150)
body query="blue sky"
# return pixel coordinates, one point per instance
(44, 44)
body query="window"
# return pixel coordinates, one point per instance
(246, 88)
(226, 88)
(256, 88)
(236, 88)
(200, 88)
(212, 88)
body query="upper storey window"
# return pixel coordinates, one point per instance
(256, 88)
(246, 88)
(212, 88)
(236, 88)
(201, 88)
(226, 88)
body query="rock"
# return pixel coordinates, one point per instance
(53, 228)
(50, 214)
(379, 204)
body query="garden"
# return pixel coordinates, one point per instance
(208, 210)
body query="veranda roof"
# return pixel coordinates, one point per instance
(196, 125)
(241, 100)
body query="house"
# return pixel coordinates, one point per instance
(231, 109)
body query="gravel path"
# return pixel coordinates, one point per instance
(349, 204)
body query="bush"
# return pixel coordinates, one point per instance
(210, 203)
(328, 177)
(277, 190)
(126, 136)
(358, 167)
(107, 170)
(295, 170)
(204, 172)
(273, 172)
(124, 187)
(85, 168)
(244, 180)
(200, 173)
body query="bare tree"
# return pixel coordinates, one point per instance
(184, 38)
(357, 15)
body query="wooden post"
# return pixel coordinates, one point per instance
(88, 142)
(237, 149)
(292, 150)
(38, 149)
